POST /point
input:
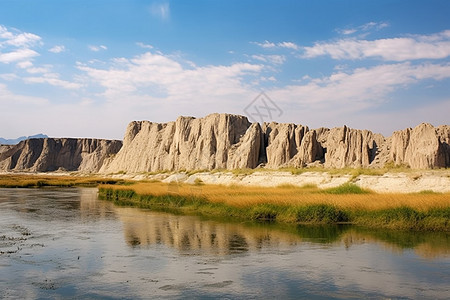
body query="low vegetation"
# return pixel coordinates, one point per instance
(32, 181)
(289, 204)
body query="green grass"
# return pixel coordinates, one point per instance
(321, 214)
(398, 218)
(346, 188)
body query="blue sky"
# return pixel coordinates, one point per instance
(88, 68)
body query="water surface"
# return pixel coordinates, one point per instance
(64, 243)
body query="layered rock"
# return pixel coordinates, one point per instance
(214, 142)
(51, 154)
(346, 147)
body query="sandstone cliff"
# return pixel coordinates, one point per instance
(422, 147)
(217, 141)
(223, 141)
(51, 154)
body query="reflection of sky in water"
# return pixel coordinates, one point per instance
(78, 246)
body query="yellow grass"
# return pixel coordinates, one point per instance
(242, 196)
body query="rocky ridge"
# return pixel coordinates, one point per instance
(53, 154)
(225, 141)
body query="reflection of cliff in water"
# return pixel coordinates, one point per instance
(190, 233)
(91, 208)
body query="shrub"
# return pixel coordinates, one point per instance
(264, 212)
(321, 213)
(346, 188)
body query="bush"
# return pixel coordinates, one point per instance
(321, 213)
(264, 212)
(346, 188)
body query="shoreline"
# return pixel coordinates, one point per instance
(346, 204)
(391, 181)
(336, 200)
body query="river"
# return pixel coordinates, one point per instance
(67, 244)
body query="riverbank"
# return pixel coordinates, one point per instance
(385, 180)
(347, 203)
(285, 202)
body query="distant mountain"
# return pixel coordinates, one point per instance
(22, 138)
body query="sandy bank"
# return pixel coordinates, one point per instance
(411, 182)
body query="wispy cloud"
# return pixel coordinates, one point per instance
(362, 87)
(17, 55)
(288, 45)
(53, 79)
(57, 49)
(98, 48)
(267, 45)
(18, 39)
(17, 46)
(145, 46)
(435, 46)
(364, 29)
(272, 59)
(160, 10)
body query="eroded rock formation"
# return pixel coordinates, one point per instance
(51, 154)
(224, 141)
(217, 141)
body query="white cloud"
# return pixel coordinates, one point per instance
(25, 64)
(364, 29)
(347, 31)
(288, 45)
(17, 55)
(272, 59)
(158, 76)
(22, 39)
(160, 10)
(57, 49)
(97, 48)
(142, 45)
(16, 47)
(267, 45)
(271, 78)
(435, 46)
(8, 76)
(362, 88)
(52, 79)
(37, 70)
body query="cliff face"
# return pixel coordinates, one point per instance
(422, 147)
(213, 142)
(51, 154)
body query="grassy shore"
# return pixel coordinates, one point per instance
(289, 204)
(32, 180)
